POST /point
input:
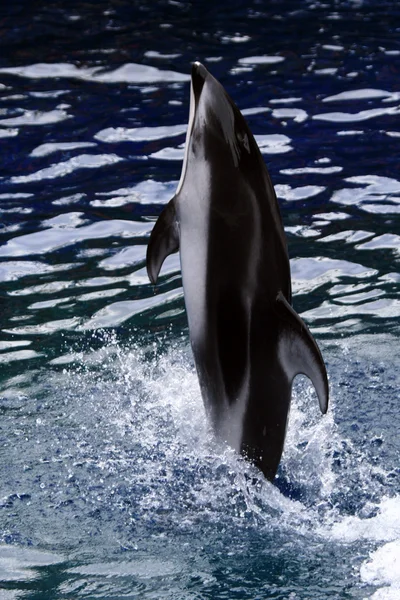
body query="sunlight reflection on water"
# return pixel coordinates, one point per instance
(112, 484)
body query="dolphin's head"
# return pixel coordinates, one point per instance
(216, 117)
(216, 128)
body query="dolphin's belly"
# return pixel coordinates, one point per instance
(193, 216)
(193, 255)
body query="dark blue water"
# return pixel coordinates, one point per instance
(112, 485)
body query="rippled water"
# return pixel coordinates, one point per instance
(112, 485)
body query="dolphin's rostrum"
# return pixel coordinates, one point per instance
(248, 342)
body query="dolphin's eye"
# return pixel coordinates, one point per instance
(243, 140)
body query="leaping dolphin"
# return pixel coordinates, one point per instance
(247, 340)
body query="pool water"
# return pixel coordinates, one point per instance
(112, 484)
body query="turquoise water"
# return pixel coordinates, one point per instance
(112, 485)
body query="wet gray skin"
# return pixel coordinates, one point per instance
(248, 342)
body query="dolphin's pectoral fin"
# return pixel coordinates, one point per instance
(298, 351)
(164, 240)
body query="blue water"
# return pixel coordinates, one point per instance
(112, 485)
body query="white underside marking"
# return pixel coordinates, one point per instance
(188, 134)
(194, 214)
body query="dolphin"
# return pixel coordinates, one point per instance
(247, 340)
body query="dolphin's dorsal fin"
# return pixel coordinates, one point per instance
(298, 351)
(164, 240)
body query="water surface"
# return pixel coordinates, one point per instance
(112, 485)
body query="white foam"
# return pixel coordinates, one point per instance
(383, 566)
(383, 569)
